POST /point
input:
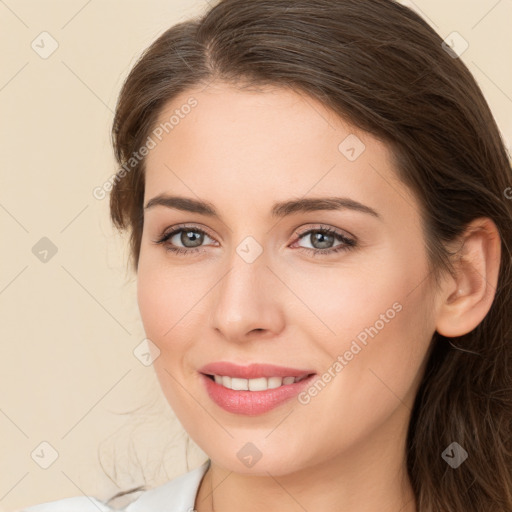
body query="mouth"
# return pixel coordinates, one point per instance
(254, 389)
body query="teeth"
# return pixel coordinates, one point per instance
(274, 382)
(257, 384)
(239, 384)
(260, 384)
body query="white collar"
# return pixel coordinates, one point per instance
(178, 495)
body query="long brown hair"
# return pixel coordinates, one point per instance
(384, 69)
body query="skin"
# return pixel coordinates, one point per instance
(242, 151)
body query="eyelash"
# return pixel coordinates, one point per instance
(347, 243)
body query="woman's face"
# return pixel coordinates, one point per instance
(346, 314)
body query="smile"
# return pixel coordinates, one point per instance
(254, 389)
(260, 384)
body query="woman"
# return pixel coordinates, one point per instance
(316, 194)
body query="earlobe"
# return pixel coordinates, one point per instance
(469, 294)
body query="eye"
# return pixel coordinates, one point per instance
(322, 240)
(185, 240)
(191, 238)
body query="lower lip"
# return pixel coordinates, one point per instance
(252, 403)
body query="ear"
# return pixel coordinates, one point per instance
(467, 296)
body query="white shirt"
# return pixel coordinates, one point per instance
(177, 495)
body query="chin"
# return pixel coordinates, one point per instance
(258, 458)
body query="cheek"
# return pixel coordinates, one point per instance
(161, 303)
(172, 303)
(153, 301)
(367, 382)
(378, 318)
(384, 291)
(161, 306)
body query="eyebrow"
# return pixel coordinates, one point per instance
(279, 210)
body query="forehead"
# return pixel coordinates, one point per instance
(228, 121)
(231, 143)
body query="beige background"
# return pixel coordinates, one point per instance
(69, 326)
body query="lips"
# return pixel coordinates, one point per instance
(253, 389)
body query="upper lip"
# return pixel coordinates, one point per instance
(252, 371)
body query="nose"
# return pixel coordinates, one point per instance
(246, 302)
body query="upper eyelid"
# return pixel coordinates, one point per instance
(180, 227)
(338, 231)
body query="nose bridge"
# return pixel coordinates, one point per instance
(243, 301)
